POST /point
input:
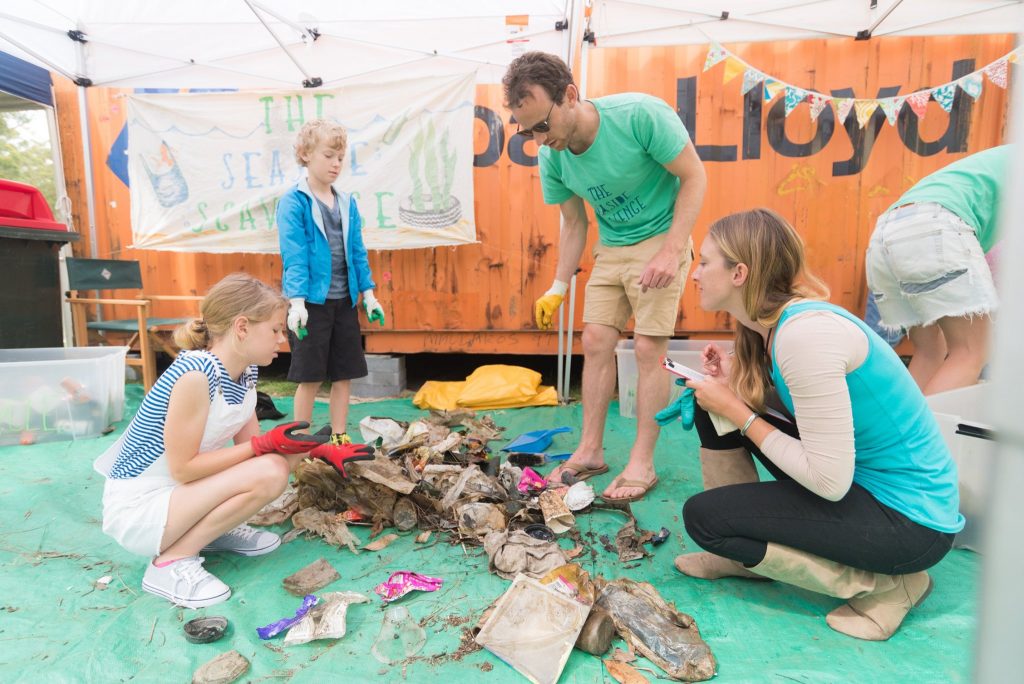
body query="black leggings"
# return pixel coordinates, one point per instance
(738, 521)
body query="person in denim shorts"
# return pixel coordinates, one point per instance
(927, 271)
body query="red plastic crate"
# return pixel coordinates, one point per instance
(23, 206)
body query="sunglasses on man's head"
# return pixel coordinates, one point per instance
(542, 127)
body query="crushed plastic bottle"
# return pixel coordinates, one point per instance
(400, 637)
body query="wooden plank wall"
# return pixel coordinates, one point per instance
(832, 181)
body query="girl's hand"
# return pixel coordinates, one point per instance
(717, 363)
(715, 396)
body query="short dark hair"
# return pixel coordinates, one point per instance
(536, 68)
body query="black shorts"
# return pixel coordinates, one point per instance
(333, 347)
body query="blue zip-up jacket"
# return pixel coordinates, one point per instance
(305, 252)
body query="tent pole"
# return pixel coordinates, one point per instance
(90, 200)
(63, 211)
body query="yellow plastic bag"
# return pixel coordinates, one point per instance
(488, 387)
(499, 384)
(435, 394)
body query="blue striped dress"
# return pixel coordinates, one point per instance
(143, 441)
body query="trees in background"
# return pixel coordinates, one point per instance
(24, 158)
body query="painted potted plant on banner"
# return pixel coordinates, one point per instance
(432, 171)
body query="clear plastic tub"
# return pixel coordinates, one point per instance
(54, 394)
(686, 352)
(963, 418)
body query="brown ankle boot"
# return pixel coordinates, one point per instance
(876, 605)
(704, 565)
(877, 616)
(720, 467)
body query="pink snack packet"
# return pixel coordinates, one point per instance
(532, 481)
(402, 582)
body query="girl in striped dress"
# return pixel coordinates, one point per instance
(192, 466)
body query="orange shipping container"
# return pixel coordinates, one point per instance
(830, 178)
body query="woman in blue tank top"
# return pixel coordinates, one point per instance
(865, 493)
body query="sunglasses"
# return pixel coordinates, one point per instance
(542, 127)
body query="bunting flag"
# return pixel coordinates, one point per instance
(844, 105)
(772, 88)
(751, 79)
(919, 102)
(972, 84)
(996, 72)
(818, 103)
(733, 68)
(864, 109)
(891, 106)
(715, 55)
(794, 96)
(944, 95)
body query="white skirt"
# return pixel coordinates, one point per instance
(135, 512)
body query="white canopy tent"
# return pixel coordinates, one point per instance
(248, 44)
(628, 23)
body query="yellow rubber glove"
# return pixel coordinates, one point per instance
(544, 308)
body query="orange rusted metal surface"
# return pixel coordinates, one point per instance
(831, 179)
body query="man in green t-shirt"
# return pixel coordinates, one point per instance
(630, 157)
(927, 271)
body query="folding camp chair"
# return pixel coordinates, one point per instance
(143, 331)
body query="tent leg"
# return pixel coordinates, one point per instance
(559, 381)
(566, 384)
(83, 112)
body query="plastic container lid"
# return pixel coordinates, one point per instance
(205, 630)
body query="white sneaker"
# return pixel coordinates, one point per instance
(245, 541)
(185, 582)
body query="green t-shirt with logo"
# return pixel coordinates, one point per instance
(970, 188)
(621, 174)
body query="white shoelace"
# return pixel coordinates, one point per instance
(191, 570)
(243, 532)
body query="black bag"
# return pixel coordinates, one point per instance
(265, 409)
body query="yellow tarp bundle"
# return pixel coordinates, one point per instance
(488, 387)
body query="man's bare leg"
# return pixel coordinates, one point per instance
(652, 391)
(598, 384)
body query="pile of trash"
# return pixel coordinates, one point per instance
(438, 475)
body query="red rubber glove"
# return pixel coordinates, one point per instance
(338, 454)
(284, 439)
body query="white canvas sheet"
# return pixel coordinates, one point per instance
(207, 170)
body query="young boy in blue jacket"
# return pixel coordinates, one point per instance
(325, 270)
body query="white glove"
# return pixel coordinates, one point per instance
(297, 315)
(374, 311)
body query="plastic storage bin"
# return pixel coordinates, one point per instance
(686, 352)
(54, 394)
(960, 413)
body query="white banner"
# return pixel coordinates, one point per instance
(207, 169)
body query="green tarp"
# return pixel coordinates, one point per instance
(56, 626)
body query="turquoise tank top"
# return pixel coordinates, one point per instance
(901, 457)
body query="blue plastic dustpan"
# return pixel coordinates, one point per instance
(534, 441)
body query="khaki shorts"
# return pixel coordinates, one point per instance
(613, 293)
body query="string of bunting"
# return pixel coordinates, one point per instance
(971, 83)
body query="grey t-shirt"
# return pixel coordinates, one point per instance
(336, 240)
